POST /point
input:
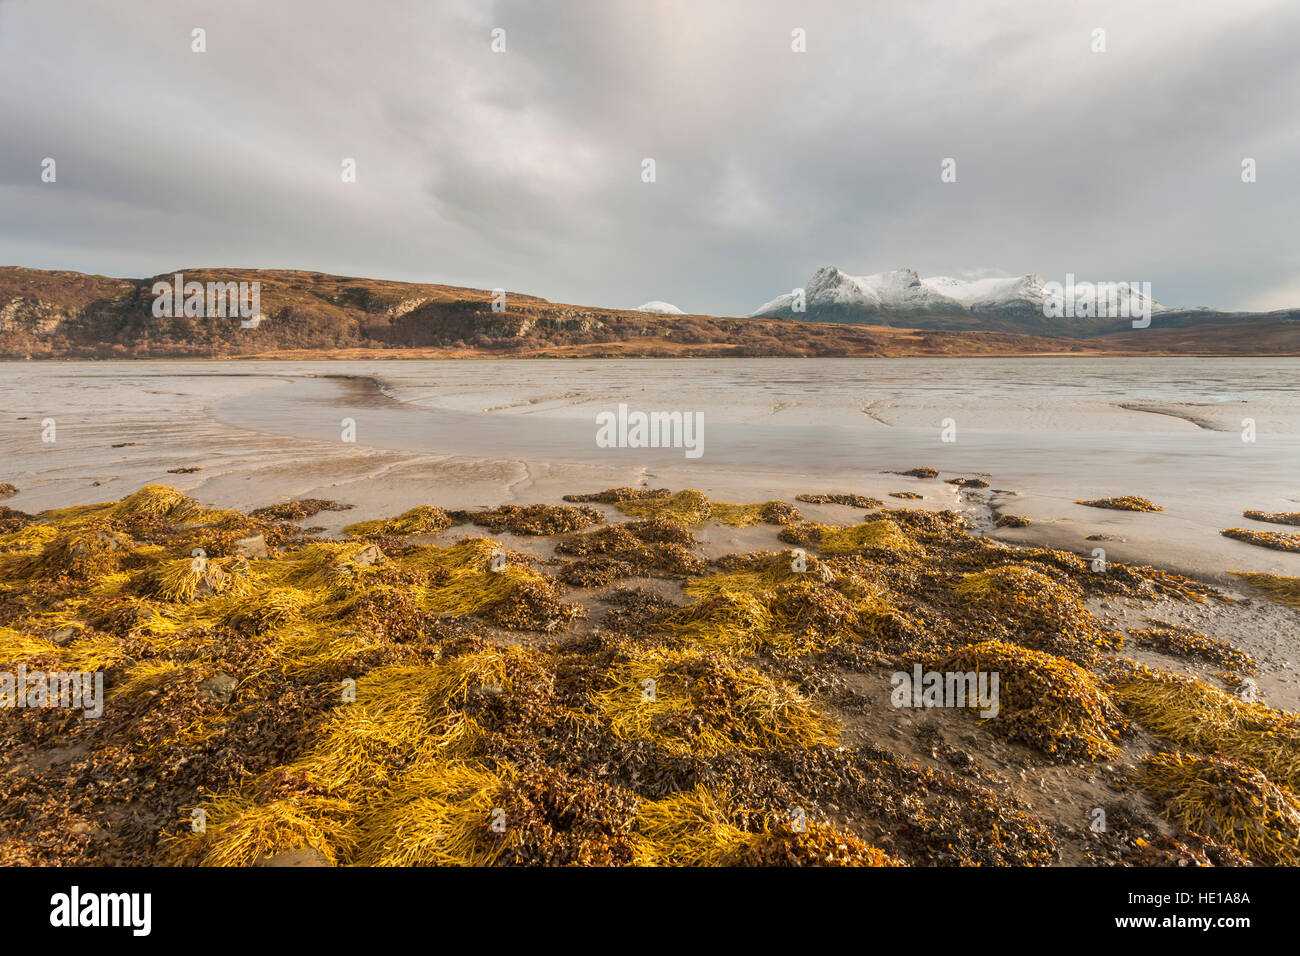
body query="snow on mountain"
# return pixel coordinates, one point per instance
(902, 290)
(666, 308)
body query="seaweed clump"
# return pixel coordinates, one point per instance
(1012, 521)
(880, 535)
(1282, 589)
(1283, 517)
(297, 509)
(922, 472)
(13, 520)
(1179, 640)
(1044, 701)
(761, 602)
(1193, 714)
(688, 507)
(700, 827)
(613, 496)
(1023, 604)
(691, 702)
(1277, 540)
(1226, 800)
(654, 546)
(766, 512)
(422, 519)
(842, 498)
(532, 519)
(1125, 503)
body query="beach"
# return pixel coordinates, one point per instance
(493, 558)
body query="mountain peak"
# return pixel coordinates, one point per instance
(834, 295)
(663, 308)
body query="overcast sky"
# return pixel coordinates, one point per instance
(523, 169)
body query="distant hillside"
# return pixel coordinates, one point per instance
(64, 315)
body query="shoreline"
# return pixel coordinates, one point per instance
(578, 354)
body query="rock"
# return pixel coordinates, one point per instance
(7, 490)
(254, 547)
(368, 557)
(300, 857)
(220, 687)
(63, 635)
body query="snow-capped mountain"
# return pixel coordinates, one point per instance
(903, 297)
(665, 308)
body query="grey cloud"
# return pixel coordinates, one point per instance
(523, 169)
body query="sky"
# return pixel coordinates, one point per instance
(524, 169)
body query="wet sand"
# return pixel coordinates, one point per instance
(467, 434)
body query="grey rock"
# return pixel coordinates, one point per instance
(253, 547)
(300, 857)
(220, 687)
(63, 635)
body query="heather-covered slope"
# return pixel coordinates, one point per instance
(55, 314)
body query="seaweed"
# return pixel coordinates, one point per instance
(1195, 715)
(690, 828)
(1125, 503)
(1182, 641)
(1283, 590)
(1276, 540)
(657, 545)
(767, 512)
(688, 507)
(1024, 604)
(422, 519)
(351, 701)
(616, 495)
(532, 519)
(809, 844)
(12, 520)
(842, 498)
(763, 603)
(1284, 517)
(693, 702)
(878, 535)
(1044, 700)
(1227, 800)
(297, 509)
